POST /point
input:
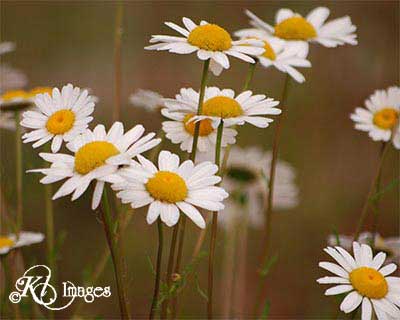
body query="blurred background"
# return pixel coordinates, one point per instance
(72, 42)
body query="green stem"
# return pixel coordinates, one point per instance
(372, 188)
(19, 169)
(115, 255)
(154, 303)
(214, 228)
(117, 60)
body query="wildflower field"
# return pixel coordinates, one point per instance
(204, 160)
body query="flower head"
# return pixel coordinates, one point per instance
(15, 100)
(147, 99)
(7, 120)
(210, 41)
(170, 188)
(97, 156)
(380, 118)
(364, 281)
(24, 238)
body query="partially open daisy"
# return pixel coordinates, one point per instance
(24, 238)
(221, 104)
(381, 116)
(210, 41)
(149, 100)
(172, 187)
(364, 280)
(298, 31)
(61, 116)
(181, 129)
(97, 156)
(15, 100)
(278, 54)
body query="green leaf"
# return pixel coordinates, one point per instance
(387, 188)
(335, 232)
(153, 271)
(199, 290)
(268, 265)
(265, 311)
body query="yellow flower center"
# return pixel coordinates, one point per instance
(369, 282)
(269, 52)
(93, 155)
(167, 186)
(6, 242)
(295, 28)
(210, 37)
(60, 121)
(205, 126)
(14, 94)
(32, 93)
(222, 107)
(386, 118)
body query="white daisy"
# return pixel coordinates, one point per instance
(391, 245)
(6, 47)
(381, 116)
(298, 31)
(223, 105)
(210, 41)
(365, 282)
(171, 187)
(61, 116)
(10, 78)
(7, 120)
(98, 155)
(25, 238)
(147, 99)
(15, 100)
(277, 54)
(181, 129)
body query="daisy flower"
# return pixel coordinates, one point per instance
(277, 54)
(391, 245)
(24, 238)
(380, 118)
(6, 47)
(97, 157)
(61, 116)
(149, 100)
(223, 105)
(10, 78)
(298, 31)
(172, 187)
(181, 129)
(364, 281)
(14, 100)
(210, 41)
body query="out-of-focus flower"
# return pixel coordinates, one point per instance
(391, 245)
(210, 41)
(171, 187)
(380, 118)
(7, 120)
(298, 31)
(24, 238)
(60, 117)
(149, 100)
(364, 281)
(98, 156)
(15, 100)
(6, 47)
(181, 129)
(277, 54)
(10, 78)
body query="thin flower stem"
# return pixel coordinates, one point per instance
(115, 255)
(18, 172)
(372, 189)
(214, 228)
(158, 269)
(117, 60)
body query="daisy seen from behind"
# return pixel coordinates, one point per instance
(365, 281)
(209, 41)
(97, 157)
(380, 118)
(24, 238)
(181, 130)
(171, 188)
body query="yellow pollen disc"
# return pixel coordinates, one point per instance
(386, 118)
(60, 122)
(269, 52)
(369, 282)
(210, 37)
(38, 90)
(6, 242)
(167, 186)
(222, 107)
(295, 28)
(14, 94)
(93, 155)
(205, 126)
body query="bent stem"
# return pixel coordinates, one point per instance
(371, 191)
(214, 228)
(18, 172)
(115, 255)
(158, 269)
